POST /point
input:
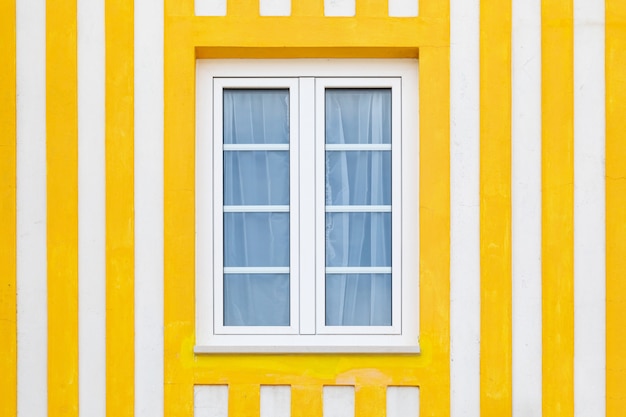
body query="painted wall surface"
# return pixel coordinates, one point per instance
(522, 208)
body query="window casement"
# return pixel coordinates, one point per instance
(307, 208)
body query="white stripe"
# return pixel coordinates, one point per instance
(403, 8)
(275, 401)
(403, 401)
(210, 401)
(210, 7)
(464, 221)
(338, 401)
(526, 207)
(275, 7)
(339, 7)
(32, 314)
(148, 208)
(589, 210)
(91, 217)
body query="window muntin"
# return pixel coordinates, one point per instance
(308, 324)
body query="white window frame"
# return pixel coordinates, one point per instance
(307, 80)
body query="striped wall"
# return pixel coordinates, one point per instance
(522, 168)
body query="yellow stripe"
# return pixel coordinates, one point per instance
(62, 207)
(243, 400)
(307, 8)
(8, 303)
(372, 8)
(240, 8)
(615, 207)
(179, 220)
(434, 209)
(370, 400)
(557, 46)
(306, 400)
(119, 208)
(495, 208)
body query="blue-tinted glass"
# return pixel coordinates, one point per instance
(256, 116)
(256, 177)
(256, 239)
(358, 239)
(358, 116)
(358, 299)
(256, 300)
(358, 177)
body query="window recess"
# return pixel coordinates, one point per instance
(307, 214)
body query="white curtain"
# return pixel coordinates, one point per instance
(256, 178)
(358, 178)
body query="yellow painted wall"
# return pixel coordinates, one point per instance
(242, 33)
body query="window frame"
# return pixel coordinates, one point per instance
(308, 77)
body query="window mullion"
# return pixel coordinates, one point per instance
(307, 183)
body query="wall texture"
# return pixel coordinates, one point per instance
(522, 208)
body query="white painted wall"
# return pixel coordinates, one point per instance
(338, 401)
(464, 209)
(526, 207)
(148, 193)
(210, 401)
(275, 401)
(32, 313)
(91, 211)
(589, 210)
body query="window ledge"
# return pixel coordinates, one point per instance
(406, 350)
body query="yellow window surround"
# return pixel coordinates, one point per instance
(307, 33)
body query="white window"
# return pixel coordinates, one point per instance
(307, 206)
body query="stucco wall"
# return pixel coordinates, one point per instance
(522, 207)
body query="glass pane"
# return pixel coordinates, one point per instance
(256, 178)
(358, 115)
(358, 239)
(256, 116)
(256, 300)
(358, 178)
(358, 299)
(256, 239)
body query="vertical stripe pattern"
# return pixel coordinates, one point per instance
(522, 196)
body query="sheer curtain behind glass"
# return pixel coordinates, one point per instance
(256, 207)
(358, 207)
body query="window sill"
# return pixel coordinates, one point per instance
(264, 350)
